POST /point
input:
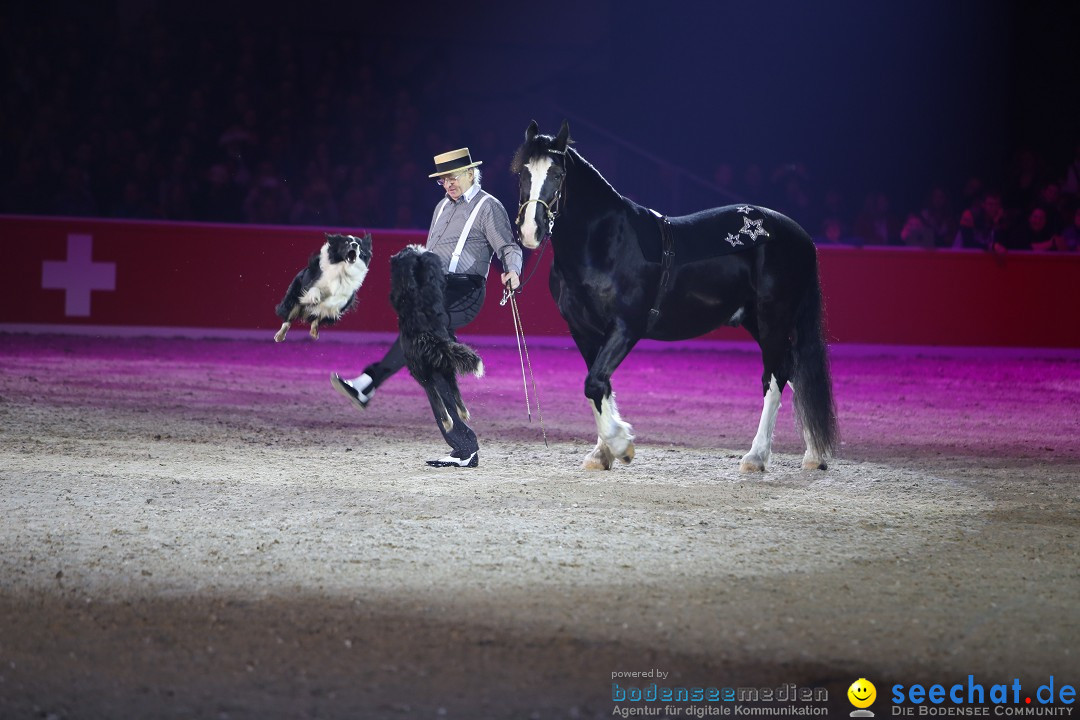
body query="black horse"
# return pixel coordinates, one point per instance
(622, 272)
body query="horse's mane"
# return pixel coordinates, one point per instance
(530, 149)
(542, 144)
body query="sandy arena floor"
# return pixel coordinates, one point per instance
(204, 529)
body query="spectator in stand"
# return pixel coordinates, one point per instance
(832, 233)
(991, 223)
(972, 195)
(1070, 236)
(1034, 234)
(965, 234)
(1051, 200)
(938, 217)
(915, 233)
(876, 225)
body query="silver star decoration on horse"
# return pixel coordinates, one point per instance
(753, 228)
(744, 209)
(733, 239)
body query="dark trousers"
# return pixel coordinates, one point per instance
(463, 299)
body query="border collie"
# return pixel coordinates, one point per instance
(326, 288)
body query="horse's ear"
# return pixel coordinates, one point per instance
(531, 131)
(563, 138)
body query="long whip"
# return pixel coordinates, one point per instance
(523, 356)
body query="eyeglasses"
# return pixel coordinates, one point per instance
(444, 181)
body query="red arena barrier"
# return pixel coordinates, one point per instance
(70, 272)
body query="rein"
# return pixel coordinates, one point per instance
(558, 202)
(523, 356)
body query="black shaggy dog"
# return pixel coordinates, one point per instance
(326, 288)
(432, 354)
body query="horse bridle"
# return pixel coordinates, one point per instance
(553, 210)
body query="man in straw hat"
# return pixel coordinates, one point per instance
(468, 227)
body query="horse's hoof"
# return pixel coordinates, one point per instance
(601, 458)
(594, 463)
(814, 465)
(751, 464)
(279, 337)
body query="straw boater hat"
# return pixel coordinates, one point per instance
(453, 161)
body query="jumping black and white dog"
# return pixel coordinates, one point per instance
(326, 288)
(432, 354)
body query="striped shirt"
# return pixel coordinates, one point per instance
(489, 235)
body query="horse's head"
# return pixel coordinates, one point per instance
(540, 164)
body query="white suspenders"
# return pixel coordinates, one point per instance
(464, 231)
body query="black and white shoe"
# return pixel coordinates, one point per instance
(358, 390)
(452, 460)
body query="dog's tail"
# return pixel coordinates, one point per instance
(464, 359)
(430, 353)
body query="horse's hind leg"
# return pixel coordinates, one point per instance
(813, 458)
(778, 361)
(758, 458)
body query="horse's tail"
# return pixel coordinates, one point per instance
(814, 404)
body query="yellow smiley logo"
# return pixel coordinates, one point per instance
(862, 693)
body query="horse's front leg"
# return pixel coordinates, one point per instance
(615, 437)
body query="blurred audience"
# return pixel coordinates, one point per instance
(876, 224)
(230, 123)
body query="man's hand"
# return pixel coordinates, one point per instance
(512, 278)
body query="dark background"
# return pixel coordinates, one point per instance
(897, 96)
